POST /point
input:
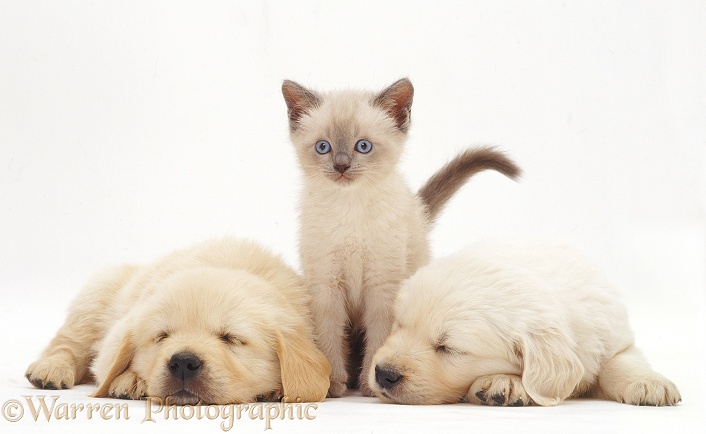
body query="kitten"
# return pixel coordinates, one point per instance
(362, 230)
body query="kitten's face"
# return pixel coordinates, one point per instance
(346, 137)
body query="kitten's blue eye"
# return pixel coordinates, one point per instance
(363, 146)
(323, 147)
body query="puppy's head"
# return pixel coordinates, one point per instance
(452, 328)
(218, 337)
(435, 349)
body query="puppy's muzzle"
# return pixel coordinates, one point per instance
(184, 366)
(387, 378)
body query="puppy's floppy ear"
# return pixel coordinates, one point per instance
(305, 370)
(120, 363)
(551, 369)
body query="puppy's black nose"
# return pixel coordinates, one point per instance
(184, 365)
(387, 378)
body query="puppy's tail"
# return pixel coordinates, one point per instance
(447, 181)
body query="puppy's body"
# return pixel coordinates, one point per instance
(362, 229)
(222, 322)
(513, 325)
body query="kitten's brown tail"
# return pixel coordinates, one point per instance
(446, 182)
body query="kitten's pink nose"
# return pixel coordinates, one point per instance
(341, 162)
(341, 168)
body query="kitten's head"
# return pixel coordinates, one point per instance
(343, 136)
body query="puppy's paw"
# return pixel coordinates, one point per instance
(654, 391)
(499, 389)
(128, 386)
(336, 389)
(274, 396)
(51, 373)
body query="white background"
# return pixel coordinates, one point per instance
(128, 129)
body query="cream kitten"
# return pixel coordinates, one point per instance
(363, 231)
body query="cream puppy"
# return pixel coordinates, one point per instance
(224, 322)
(499, 324)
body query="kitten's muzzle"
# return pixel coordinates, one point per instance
(341, 162)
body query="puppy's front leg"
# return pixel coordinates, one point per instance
(128, 385)
(65, 361)
(330, 320)
(500, 390)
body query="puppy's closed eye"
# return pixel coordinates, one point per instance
(447, 350)
(442, 347)
(230, 339)
(162, 336)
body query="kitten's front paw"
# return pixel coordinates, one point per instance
(336, 389)
(500, 389)
(51, 373)
(365, 390)
(128, 386)
(654, 391)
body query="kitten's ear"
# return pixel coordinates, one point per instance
(299, 100)
(397, 101)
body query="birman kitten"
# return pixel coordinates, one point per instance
(362, 230)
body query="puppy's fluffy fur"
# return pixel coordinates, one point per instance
(223, 322)
(512, 325)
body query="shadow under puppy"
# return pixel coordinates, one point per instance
(501, 324)
(224, 322)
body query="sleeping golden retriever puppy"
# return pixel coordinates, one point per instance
(511, 325)
(224, 322)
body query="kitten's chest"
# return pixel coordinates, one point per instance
(356, 221)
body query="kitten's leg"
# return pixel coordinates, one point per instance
(65, 361)
(377, 318)
(330, 319)
(628, 378)
(499, 389)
